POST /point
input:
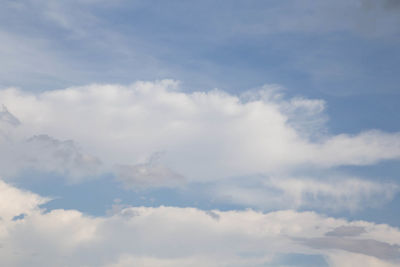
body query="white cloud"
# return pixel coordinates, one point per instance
(14, 202)
(204, 135)
(165, 236)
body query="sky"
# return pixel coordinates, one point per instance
(199, 133)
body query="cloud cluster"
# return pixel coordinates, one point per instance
(151, 134)
(203, 135)
(168, 236)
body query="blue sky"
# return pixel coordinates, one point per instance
(118, 117)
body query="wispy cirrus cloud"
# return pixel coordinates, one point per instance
(329, 193)
(90, 36)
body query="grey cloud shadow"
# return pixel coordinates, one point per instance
(149, 174)
(8, 117)
(346, 231)
(388, 5)
(64, 153)
(370, 247)
(391, 4)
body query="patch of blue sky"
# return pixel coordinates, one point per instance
(385, 214)
(300, 260)
(356, 113)
(97, 197)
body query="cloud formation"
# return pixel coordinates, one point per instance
(258, 150)
(167, 236)
(204, 137)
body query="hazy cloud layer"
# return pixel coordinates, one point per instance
(346, 231)
(329, 193)
(79, 42)
(369, 247)
(165, 236)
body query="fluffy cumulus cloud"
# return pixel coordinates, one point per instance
(168, 236)
(202, 135)
(152, 134)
